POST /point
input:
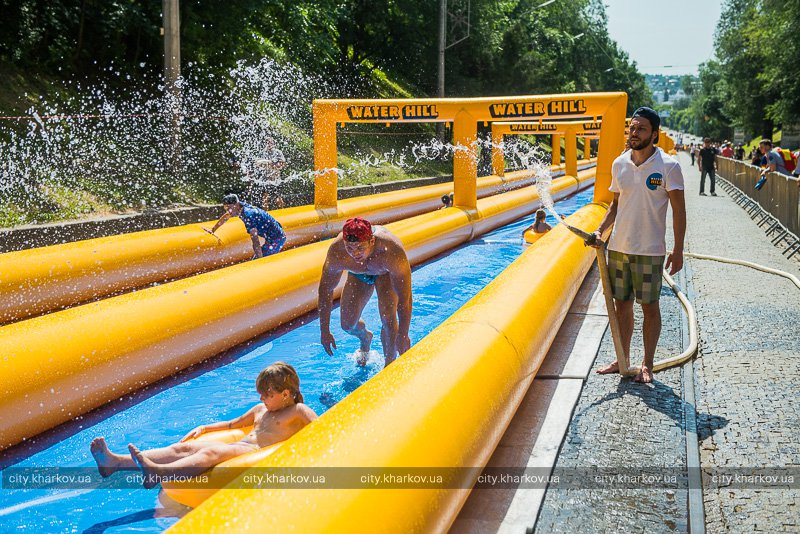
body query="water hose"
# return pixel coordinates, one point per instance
(590, 239)
(692, 318)
(790, 276)
(691, 350)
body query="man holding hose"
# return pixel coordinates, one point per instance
(644, 181)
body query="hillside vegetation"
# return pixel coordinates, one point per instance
(100, 136)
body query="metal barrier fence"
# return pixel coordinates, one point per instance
(779, 196)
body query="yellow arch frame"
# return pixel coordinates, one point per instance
(570, 131)
(465, 113)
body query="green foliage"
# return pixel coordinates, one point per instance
(781, 37)
(703, 114)
(80, 36)
(687, 84)
(758, 52)
(741, 60)
(514, 47)
(373, 48)
(563, 47)
(709, 107)
(753, 83)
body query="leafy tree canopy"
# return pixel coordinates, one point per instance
(514, 47)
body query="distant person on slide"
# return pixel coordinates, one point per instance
(539, 225)
(258, 223)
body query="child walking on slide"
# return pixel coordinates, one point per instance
(280, 415)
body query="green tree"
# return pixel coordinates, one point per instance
(518, 48)
(780, 41)
(708, 106)
(515, 46)
(687, 84)
(743, 58)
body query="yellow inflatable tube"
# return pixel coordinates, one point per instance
(38, 280)
(532, 237)
(462, 384)
(193, 492)
(58, 366)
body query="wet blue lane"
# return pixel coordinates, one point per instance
(225, 388)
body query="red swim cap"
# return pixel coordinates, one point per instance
(357, 229)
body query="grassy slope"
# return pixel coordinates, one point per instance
(19, 90)
(776, 138)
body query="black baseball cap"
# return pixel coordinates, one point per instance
(649, 114)
(230, 199)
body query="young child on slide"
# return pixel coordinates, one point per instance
(280, 415)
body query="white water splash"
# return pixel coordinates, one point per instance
(371, 358)
(257, 352)
(130, 151)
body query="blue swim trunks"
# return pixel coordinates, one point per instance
(273, 247)
(368, 279)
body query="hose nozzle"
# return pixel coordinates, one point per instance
(590, 240)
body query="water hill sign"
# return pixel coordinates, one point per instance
(515, 110)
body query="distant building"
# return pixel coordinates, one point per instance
(670, 94)
(666, 89)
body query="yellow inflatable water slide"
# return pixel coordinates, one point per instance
(114, 345)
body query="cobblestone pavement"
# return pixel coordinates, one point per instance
(748, 407)
(618, 423)
(748, 367)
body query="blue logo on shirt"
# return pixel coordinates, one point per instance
(654, 180)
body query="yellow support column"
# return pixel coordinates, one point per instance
(610, 146)
(325, 161)
(665, 142)
(465, 160)
(571, 152)
(498, 156)
(556, 149)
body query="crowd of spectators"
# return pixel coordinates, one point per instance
(770, 158)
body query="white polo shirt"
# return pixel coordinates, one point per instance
(641, 222)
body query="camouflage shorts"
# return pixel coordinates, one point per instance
(635, 275)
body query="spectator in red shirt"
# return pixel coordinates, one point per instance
(727, 151)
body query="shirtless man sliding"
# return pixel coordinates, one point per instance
(374, 259)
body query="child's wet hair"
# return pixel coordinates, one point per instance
(278, 377)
